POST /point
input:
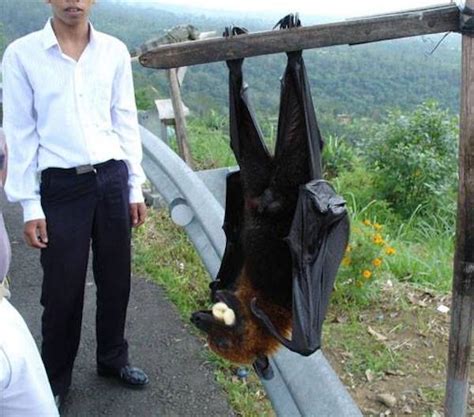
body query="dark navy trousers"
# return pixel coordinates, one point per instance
(84, 210)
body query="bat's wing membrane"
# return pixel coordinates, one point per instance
(319, 230)
(233, 258)
(246, 141)
(299, 142)
(317, 240)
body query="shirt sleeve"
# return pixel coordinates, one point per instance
(19, 124)
(125, 124)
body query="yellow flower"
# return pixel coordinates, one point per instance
(367, 222)
(377, 262)
(378, 240)
(346, 261)
(366, 273)
(390, 251)
(377, 226)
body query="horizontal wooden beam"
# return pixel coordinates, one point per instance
(436, 19)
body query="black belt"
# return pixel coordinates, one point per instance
(81, 169)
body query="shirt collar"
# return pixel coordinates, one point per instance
(49, 37)
(92, 35)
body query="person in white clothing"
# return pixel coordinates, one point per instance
(24, 385)
(71, 126)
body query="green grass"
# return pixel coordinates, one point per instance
(172, 263)
(427, 264)
(363, 351)
(433, 393)
(424, 245)
(210, 146)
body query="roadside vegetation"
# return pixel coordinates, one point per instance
(386, 333)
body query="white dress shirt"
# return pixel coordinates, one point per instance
(61, 113)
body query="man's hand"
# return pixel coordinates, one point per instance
(35, 233)
(137, 214)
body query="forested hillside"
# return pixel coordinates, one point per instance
(361, 81)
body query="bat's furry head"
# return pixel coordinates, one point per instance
(234, 332)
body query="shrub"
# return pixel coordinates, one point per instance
(414, 156)
(358, 187)
(338, 156)
(214, 121)
(144, 98)
(363, 261)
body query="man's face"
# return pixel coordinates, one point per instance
(71, 12)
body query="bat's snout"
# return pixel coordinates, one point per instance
(201, 320)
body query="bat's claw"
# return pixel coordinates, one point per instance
(215, 286)
(289, 21)
(230, 31)
(263, 368)
(235, 65)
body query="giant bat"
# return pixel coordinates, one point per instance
(286, 229)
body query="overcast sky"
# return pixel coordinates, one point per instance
(343, 8)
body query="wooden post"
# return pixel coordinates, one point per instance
(180, 121)
(164, 132)
(457, 387)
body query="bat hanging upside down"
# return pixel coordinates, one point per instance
(286, 229)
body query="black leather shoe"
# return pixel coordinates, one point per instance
(59, 401)
(128, 375)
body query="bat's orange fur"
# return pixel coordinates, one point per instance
(248, 338)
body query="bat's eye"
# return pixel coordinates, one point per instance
(222, 343)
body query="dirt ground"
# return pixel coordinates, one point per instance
(407, 330)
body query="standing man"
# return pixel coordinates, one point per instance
(74, 165)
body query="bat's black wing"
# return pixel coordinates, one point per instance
(317, 239)
(233, 259)
(319, 230)
(246, 141)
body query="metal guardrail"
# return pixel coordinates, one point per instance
(302, 386)
(191, 203)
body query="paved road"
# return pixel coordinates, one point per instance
(181, 384)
